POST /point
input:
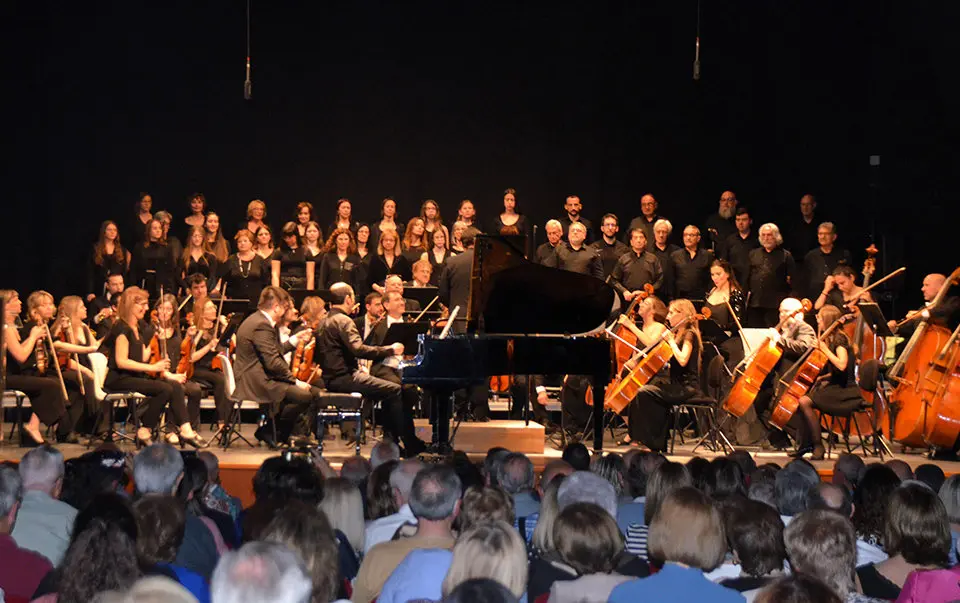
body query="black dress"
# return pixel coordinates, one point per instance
(153, 267)
(877, 585)
(437, 266)
(379, 271)
(46, 397)
(413, 254)
(207, 265)
(334, 270)
(520, 224)
(839, 394)
(375, 233)
(245, 279)
(293, 267)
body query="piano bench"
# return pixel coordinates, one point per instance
(337, 408)
(351, 401)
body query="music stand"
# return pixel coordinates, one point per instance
(235, 306)
(874, 317)
(710, 330)
(423, 295)
(406, 333)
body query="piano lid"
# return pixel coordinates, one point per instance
(510, 294)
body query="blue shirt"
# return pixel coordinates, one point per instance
(630, 511)
(676, 584)
(419, 576)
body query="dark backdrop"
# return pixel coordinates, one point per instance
(452, 99)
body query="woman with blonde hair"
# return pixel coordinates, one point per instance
(456, 245)
(489, 550)
(389, 260)
(256, 215)
(306, 531)
(72, 335)
(343, 506)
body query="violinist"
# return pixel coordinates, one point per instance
(652, 313)
(650, 411)
(104, 307)
(340, 262)
(636, 268)
(206, 342)
(28, 368)
(841, 291)
(197, 287)
(184, 392)
(373, 304)
(73, 337)
(837, 392)
(394, 284)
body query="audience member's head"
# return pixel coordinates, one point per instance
(151, 589)
(830, 497)
(792, 484)
(552, 470)
(755, 535)
(699, 469)
(157, 469)
(468, 472)
(485, 504)
(515, 474)
(343, 506)
(284, 479)
(932, 475)
(356, 470)
(305, 530)
(724, 479)
(870, 501)
(480, 590)
(380, 500)
(587, 539)
(917, 527)
(743, 458)
(666, 478)
(585, 487)
(638, 473)
(383, 451)
(90, 474)
(435, 495)
(489, 550)
(213, 465)
(578, 456)
(763, 486)
(41, 469)
(901, 468)
(797, 588)
(611, 468)
(847, 470)
(687, 529)
(822, 544)
(950, 497)
(11, 493)
(261, 571)
(549, 510)
(401, 479)
(491, 464)
(161, 523)
(190, 490)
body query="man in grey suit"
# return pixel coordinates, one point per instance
(261, 372)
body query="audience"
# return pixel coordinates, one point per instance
(870, 500)
(491, 464)
(589, 543)
(492, 550)
(21, 570)
(931, 475)
(830, 497)
(343, 507)
(516, 476)
(260, 572)
(641, 465)
(847, 470)
(380, 499)
(666, 478)
(950, 497)
(480, 590)
(384, 451)
(43, 522)
(305, 531)
(401, 482)
(190, 492)
(798, 588)
(754, 534)
(578, 456)
(542, 541)
(901, 468)
(792, 484)
(214, 496)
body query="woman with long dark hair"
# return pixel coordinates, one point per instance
(344, 217)
(143, 213)
(198, 209)
(109, 257)
(304, 216)
(388, 220)
(415, 240)
(340, 262)
(216, 243)
(263, 243)
(154, 266)
(510, 216)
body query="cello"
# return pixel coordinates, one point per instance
(910, 398)
(625, 340)
(654, 358)
(808, 368)
(764, 360)
(866, 344)
(942, 389)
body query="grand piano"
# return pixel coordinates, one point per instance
(522, 319)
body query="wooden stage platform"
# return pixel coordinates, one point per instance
(239, 464)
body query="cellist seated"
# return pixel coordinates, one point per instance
(836, 391)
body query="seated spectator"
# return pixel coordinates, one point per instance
(551, 471)
(435, 502)
(21, 570)
(578, 456)
(401, 481)
(469, 474)
(485, 504)
(754, 533)
(870, 499)
(516, 476)
(686, 535)
(304, 530)
(542, 541)
(725, 479)
(380, 499)
(344, 508)
(763, 486)
(931, 586)
(792, 484)
(384, 451)
(666, 478)
(491, 464)
(480, 589)
(950, 497)
(190, 492)
(43, 521)
(638, 474)
(699, 469)
(151, 589)
(930, 475)
(744, 459)
(823, 545)
(157, 469)
(797, 589)
(214, 496)
(161, 521)
(260, 572)
(356, 470)
(830, 497)
(588, 543)
(93, 473)
(102, 555)
(489, 550)
(901, 468)
(612, 468)
(917, 537)
(418, 577)
(847, 471)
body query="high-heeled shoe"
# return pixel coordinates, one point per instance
(31, 439)
(818, 453)
(802, 450)
(196, 441)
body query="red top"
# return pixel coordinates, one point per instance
(21, 570)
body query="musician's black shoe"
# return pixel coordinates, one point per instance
(265, 434)
(799, 452)
(416, 448)
(70, 438)
(818, 453)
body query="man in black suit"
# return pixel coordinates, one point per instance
(338, 348)
(373, 303)
(261, 373)
(394, 284)
(104, 307)
(454, 291)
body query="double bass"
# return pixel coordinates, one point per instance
(942, 391)
(912, 396)
(765, 358)
(808, 369)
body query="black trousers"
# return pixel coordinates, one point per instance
(46, 399)
(218, 383)
(159, 393)
(650, 413)
(477, 397)
(397, 415)
(185, 403)
(84, 408)
(296, 402)
(520, 393)
(573, 398)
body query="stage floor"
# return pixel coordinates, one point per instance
(239, 463)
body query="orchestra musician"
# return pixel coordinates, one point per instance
(373, 304)
(547, 250)
(575, 255)
(608, 245)
(183, 392)
(128, 360)
(394, 284)
(422, 272)
(72, 335)
(206, 342)
(29, 369)
(637, 268)
(771, 271)
(841, 291)
(261, 372)
(836, 391)
(398, 419)
(691, 266)
(725, 296)
(650, 410)
(109, 257)
(103, 308)
(946, 314)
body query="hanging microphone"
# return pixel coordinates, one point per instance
(696, 62)
(247, 85)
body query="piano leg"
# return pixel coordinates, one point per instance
(599, 393)
(441, 405)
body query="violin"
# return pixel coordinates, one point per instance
(68, 335)
(158, 344)
(765, 358)
(654, 358)
(808, 369)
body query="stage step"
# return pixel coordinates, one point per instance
(477, 438)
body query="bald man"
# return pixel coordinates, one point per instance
(945, 314)
(575, 255)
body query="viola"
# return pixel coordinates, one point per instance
(765, 358)
(808, 370)
(185, 365)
